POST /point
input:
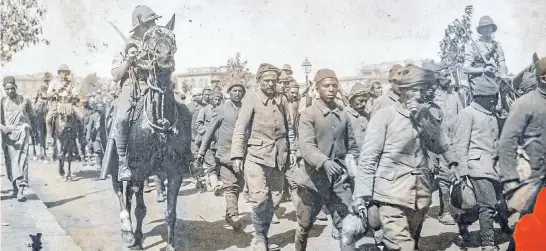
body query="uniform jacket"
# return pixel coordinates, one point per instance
(393, 165)
(203, 120)
(451, 105)
(526, 124)
(270, 138)
(358, 125)
(325, 134)
(476, 135)
(92, 127)
(222, 126)
(385, 100)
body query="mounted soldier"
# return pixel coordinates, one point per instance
(484, 58)
(61, 92)
(142, 19)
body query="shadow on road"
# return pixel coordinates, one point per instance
(444, 240)
(61, 202)
(202, 235)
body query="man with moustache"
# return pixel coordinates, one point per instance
(222, 126)
(264, 139)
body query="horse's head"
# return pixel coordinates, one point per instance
(159, 46)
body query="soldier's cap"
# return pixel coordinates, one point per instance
(287, 68)
(412, 75)
(142, 13)
(216, 94)
(207, 88)
(540, 66)
(284, 77)
(359, 90)
(323, 74)
(235, 82)
(484, 86)
(293, 83)
(485, 21)
(394, 69)
(265, 67)
(214, 79)
(9, 80)
(47, 76)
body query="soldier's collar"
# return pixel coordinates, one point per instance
(402, 110)
(480, 108)
(352, 111)
(323, 107)
(264, 98)
(393, 95)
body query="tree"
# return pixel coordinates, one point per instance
(457, 37)
(21, 26)
(236, 70)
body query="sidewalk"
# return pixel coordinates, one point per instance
(30, 217)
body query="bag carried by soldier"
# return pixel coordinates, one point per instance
(354, 228)
(463, 202)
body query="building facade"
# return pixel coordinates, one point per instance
(198, 77)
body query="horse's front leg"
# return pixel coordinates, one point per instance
(61, 163)
(69, 174)
(125, 215)
(174, 183)
(140, 213)
(160, 189)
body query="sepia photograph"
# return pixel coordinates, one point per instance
(269, 125)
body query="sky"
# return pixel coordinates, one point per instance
(340, 35)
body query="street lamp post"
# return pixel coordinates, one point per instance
(306, 65)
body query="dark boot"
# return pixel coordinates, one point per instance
(232, 211)
(124, 172)
(300, 241)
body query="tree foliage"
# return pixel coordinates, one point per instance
(236, 70)
(457, 37)
(20, 27)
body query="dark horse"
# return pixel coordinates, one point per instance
(65, 133)
(159, 137)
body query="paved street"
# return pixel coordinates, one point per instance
(87, 209)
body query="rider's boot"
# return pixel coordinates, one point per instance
(49, 132)
(124, 172)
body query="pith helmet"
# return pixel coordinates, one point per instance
(47, 76)
(63, 67)
(485, 21)
(142, 13)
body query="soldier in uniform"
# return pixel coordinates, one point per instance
(476, 134)
(287, 69)
(142, 19)
(222, 125)
(63, 87)
(442, 96)
(325, 140)
(42, 92)
(377, 88)
(284, 80)
(194, 107)
(206, 114)
(358, 99)
(525, 128)
(484, 58)
(393, 170)
(264, 140)
(390, 97)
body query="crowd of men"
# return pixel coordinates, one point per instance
(377, 155)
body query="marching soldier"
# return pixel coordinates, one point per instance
(449, 105)
(390, 97)
(524, 130)
(206, 114)
(325, 140)
(264, 140)
(476, 134)
(377, 88)
(358, 99)
(286, 69)
(393, 170)
(196, 104)
(484, 58)
(284, 81)
(223, 125)
(142, 19)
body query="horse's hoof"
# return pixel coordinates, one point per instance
(128, 237)
(34, 158)
(170, 248)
